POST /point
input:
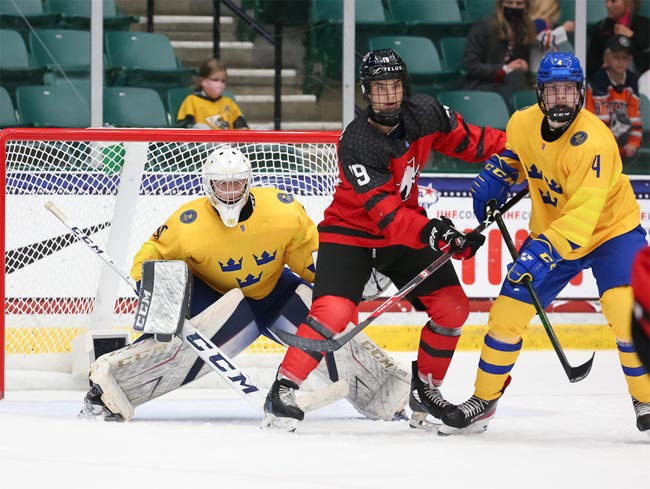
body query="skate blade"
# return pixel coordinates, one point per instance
(419, 421)
(271, 421)
(473, 429)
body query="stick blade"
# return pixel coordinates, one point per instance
(576, 374)
(308, 344)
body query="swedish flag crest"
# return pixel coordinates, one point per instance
(285, 198)
(578, 138)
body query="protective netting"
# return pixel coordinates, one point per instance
(118, 193)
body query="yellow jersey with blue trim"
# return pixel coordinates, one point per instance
(250, 256)
(579, 195)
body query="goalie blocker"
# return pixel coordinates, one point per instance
(148, 368)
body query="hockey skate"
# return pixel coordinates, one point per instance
(642, 411)
(281, 403)
(94, 407)
(469, 417)
(425, 399)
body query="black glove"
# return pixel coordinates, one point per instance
(442, 236)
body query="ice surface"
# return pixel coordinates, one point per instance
(548, 433)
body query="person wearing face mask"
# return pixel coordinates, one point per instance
(207, 107)
(621, 20)
(498, 48)
(583, 215)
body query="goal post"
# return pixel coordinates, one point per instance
(118, 186)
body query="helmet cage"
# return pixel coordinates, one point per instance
(560, 67)
(384, 64)
(227, 176)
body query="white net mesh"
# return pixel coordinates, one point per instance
(118, 193)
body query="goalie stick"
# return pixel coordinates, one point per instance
(575, 374)
(334, 344)
(207, 351)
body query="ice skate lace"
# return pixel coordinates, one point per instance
(433, 394)
(473, 406)
(641, 408)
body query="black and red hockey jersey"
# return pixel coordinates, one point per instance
(376, 199)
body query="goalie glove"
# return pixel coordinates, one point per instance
(442, 236)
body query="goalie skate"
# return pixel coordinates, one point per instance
(95, 408)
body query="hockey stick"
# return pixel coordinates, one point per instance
(575, 374)
(207, 351)
(334, 344)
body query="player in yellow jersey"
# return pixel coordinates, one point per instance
(584, 215)
(261, 242)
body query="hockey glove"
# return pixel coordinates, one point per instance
(442, 236)
(493, 182)
(536, 259)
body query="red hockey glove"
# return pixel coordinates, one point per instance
(442, 236)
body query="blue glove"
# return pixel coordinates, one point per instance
(493, 182)
(536, 259)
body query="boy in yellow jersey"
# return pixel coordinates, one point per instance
(262, 242)
(584, 215)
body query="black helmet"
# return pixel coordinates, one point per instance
(383, 64)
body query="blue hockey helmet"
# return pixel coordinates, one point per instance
(560, 67)
(383, 64)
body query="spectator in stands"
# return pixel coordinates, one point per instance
(207, 107)
(550, 34)
(498, 48)
(613, 95)
(621, 20)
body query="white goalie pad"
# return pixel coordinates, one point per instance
(379, 385)
(163, 302)
(148, 369)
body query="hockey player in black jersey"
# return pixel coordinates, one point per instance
(375, 222)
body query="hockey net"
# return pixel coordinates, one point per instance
(118, 186)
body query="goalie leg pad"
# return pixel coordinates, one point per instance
(147, 369)
(379, 385)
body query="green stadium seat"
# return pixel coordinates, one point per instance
(323, 57)
(430, 18)
(7, 111)
(475, 9)
(24, 15)
(142, 59)
(134, 107)
(478, 108)
(16, 68)
(52, 106)
(451, 50)
(75, 14)
(640, 164)
(523, 98)
(422, 60)
(63, 52)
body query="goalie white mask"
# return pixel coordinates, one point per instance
(226, 181)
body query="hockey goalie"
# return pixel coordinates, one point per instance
(239, 263)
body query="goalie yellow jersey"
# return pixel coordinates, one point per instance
(249, 256)
(580, 197)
